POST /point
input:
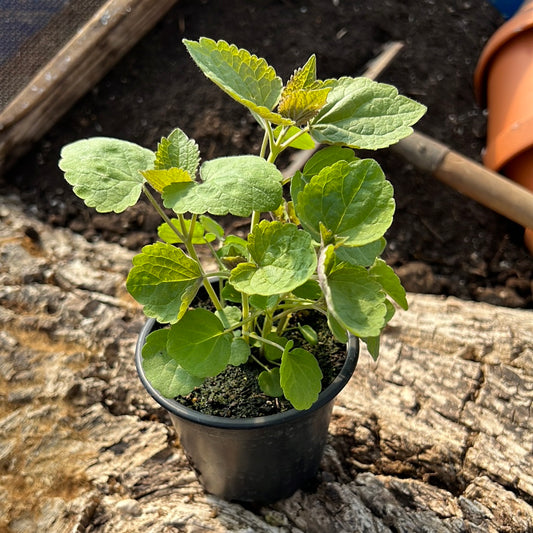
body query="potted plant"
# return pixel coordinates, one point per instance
(312, 250)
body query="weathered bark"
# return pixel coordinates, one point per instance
(436, 436)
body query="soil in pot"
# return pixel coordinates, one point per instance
(235, 392)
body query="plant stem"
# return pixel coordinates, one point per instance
(162, 214)
(245, 316)
(290, 140)
(186, 239)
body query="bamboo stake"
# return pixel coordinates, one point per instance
(468, 177)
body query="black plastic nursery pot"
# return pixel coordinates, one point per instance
(261, 459)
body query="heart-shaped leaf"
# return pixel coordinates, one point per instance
(164, 280)
(105, 172)
(353, 297)
(162, 371)
(236, 185)
(244, 76)
(300, 378)
(269, 382)
(352, 201)
(365, 114)
(199, 343)
(284, 258)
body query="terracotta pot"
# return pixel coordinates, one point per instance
(503, 82)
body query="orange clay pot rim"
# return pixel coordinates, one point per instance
(508, 144)
(522, 21)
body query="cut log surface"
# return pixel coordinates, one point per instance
(435, 437)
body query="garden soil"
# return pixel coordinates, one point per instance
(440, 241)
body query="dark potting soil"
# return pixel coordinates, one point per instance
(235, 392)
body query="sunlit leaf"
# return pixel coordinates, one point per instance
(283, 259)
(164, 280)
(245, 77)
(365, 114)
(199, 236)
(237, 185)
(159, 179)
(105, 172)
(162, 370)
(177, 151)
(199, 343)
(300, 378)
(390, 282)
(353, 201)
(354, 298)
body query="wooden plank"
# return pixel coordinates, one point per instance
(81, 63)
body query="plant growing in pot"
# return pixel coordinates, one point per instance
(312, 252)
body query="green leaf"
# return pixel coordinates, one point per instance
(353, 201)
(247, 78)
(338, 331)
(159, 179)
(212, 227)
(300, 378)
(230, 294)
(353, 297)
(301, 105)
(284, 258)
(237, 185)
(310, 290)
(390, 282)
(362, 113)
(303, 142)
(167, 234)
(164, 280)
(373, 343)
(200, 344)
(177, 151)
(304, 95)
(271, 352)
(263, 302)
(229, 316)
(162, 371)
(105, 173)
(308, 333)
(269, 382)
(240, 351)
(326, 157)
(361, 255)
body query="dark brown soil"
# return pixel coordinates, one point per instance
(440, 242)
(235, 392)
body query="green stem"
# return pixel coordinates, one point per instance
(188, 244)
(290, 140)
(162, 214)
(245, 316)
(264, 144)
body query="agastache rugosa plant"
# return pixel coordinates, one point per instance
(315, 247)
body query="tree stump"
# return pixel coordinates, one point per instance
(434, 437)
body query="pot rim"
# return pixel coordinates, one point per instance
(179, 410)
(522, 21)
